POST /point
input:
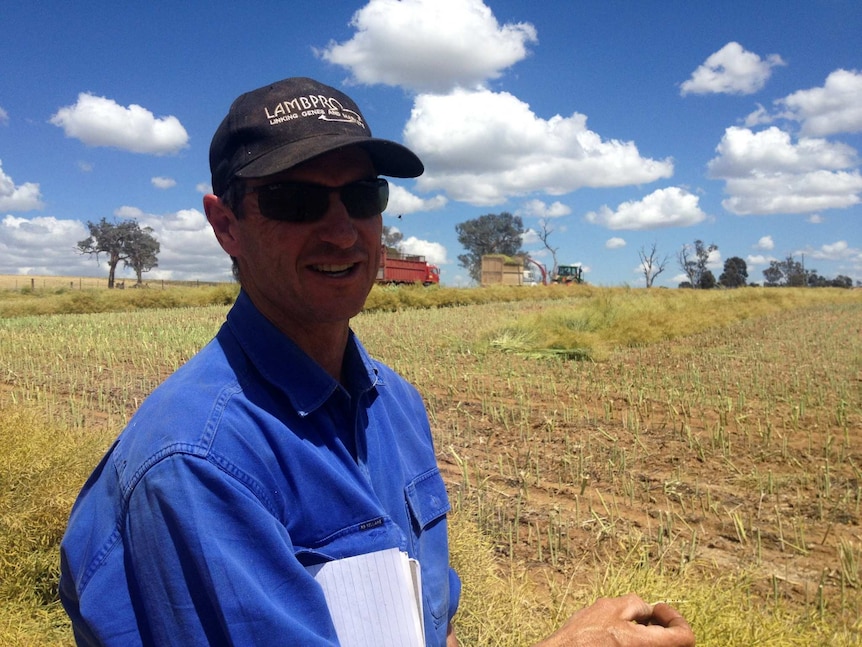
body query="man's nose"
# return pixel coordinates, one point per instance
(337, 227)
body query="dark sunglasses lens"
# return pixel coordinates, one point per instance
(365, 199)
(309, 202)
(293, 202)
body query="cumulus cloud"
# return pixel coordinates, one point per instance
(834, 108)
(766, 173)
(766, 243)
(772, 151)
(25, 197)
(479, 146)
(541, 209)
(482, 147)
(615, 243)
(670, 207)
(98, 121)
(837, 251)
(429, 45)
(402, 201)
(50, 240)
(815, 219)
(829, 110)
(4, 116)
(759, 259)
(530, 237)
(163, 182)
(188, 251)
(731, 70)
(434, 253)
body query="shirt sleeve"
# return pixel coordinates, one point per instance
(209, 563)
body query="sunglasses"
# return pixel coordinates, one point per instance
(301, 202)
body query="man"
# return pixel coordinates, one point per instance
(282, 445)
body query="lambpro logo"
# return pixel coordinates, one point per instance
(317, 106)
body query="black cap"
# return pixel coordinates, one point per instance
(276, 127)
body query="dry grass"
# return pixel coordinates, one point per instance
(42, 467)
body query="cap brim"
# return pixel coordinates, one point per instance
(389, 158)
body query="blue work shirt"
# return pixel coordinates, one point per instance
(245, 466)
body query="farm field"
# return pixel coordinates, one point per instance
(719, 467)
(28, 282)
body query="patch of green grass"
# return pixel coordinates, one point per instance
(91, 300)
(603, 320)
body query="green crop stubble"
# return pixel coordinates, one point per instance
(741, 443)
(758, 399)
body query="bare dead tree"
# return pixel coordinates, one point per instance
(651, 266)
(687, 265)
(543, 236)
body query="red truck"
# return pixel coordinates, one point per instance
(398, 268)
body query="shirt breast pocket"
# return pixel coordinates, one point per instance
(428, 504)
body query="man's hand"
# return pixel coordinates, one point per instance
(627, 621)
(451, 639)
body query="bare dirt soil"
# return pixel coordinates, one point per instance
(736, 451)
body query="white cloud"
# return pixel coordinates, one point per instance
(188, 248)
(759, 117)
(793, 193)
(402, 201)
(4, 116)
(713, 260)
(766, 173)
(129, 213)
(615, 243)
(50, 240)
(765, 243)
(482, 147)
(204, 187)
(834, 108)
(731, 70)
(98, 121)
(815, 219)
(25, 197)
(759, 259)
(188, 251)
(163, 182)
(771, 151)
(434, 253)
(837, 251)
(530, 237)
(478, 146)
(670, 207)
(429, 45)
(540, 209)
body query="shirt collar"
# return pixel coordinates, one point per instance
(284, 365)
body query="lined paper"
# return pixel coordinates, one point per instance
(374, 599)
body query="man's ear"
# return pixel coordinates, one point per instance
(224, 223)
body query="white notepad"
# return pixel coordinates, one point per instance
(374, 599)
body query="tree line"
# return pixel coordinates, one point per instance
(490, 233)
(503, 234)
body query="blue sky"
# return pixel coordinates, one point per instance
(615, 125)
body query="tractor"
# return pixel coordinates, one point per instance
(567, 274)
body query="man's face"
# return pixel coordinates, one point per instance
(306, 276)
